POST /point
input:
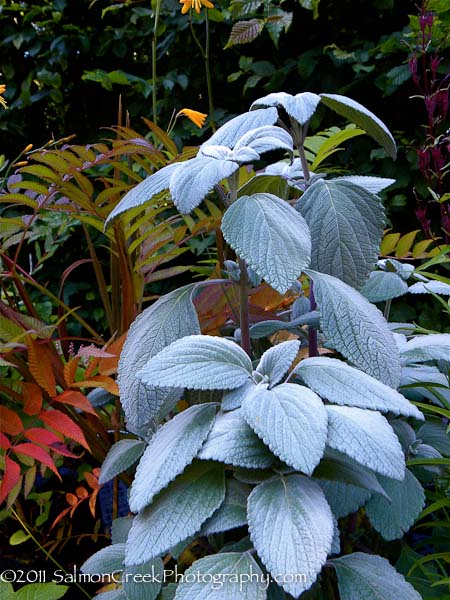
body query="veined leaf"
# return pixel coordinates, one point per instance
(363, 576)
(367, 437)
(362, 117)
(233, 130)
(233, 442)
(271, 236)
(343, 498)
(233, 569)
(374, 185)
(175, 514)
(244, 32)
(424, 348)
(105, 561)
(170, 450)
(384, 285)
(233, 512)
(357, 329)
(300, 107)
(137, 584)
(276, 361)
(393, 518)
(346, 223)
(342, 384)
(144, 191)
(340, 468)
(171, 317)
(291, 420)
(121, 455)
(291, 526)
(264, 139)
(199, 362)
(195, 178)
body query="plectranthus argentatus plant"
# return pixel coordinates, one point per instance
(271, 451)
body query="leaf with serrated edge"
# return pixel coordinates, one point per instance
(394, 518)
(195, 178)
(144, 191)
(233, 512)
(137, 583)
(423, 348)
(346, 223)
(291, 526)
(430, 287)
(198, 362)
(232, 399)
(173, 316)
(227, 575)
(176, 513)
(339, 467)
(342, 384)
(364, 118)
(291, 420)
(344, 499)
(383, 285)
(233, 442)
(365, 576)
(105, 561)
(229, 134)
(300, 107)
(271, 236)
(367, 437)
(121, 455)
(170, 450)
(356, 328)
(375, 185)
(276, 361)
(266, 138)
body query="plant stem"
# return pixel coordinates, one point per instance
(387, 309)
(299, 138)
(47, 554)
(205, 54)
(244, 321)
(243, 308)
(208, 75)
(154, 44)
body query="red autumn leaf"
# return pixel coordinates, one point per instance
(5, 444)
(92, 478)
(76, 399)
(64, 424)
(70, 370)
(10, 477)
(37, 453)
(108, 366)
(42, 436)
(10, 422)
(32, 398)
(92, 501)
(81, 492)
(62, 449)
(72, 499)
(40, 366)
(99, 381)
(61, 516)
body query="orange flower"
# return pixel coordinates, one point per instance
(196, 117)
(2, 100)
(195, 4)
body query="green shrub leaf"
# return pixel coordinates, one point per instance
(346, 223)
(342, 384)
(291, 526)
(367, 437)
(271, 236)
(199, 362)
(176, 513)
(363, 576)
(292, 421)
(357, 329)
(170, 450)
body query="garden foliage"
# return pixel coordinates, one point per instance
(273, 441)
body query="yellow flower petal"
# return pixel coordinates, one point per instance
(195, 116)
